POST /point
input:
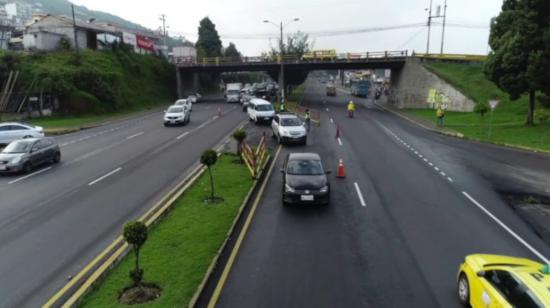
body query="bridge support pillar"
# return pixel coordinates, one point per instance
(282, 85)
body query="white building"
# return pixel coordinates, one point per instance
(46, 33)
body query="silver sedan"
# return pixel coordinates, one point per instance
(26, 154)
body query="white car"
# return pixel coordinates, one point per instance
(186, 103)
(289, 128)
(14, 131)
(176, 115)
(260, 110)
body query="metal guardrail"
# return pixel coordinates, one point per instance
(449, 56)
(295, 59)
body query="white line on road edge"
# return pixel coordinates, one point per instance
(30, 175)
(105, 176)
(361, 199)
(340, 141)
(134, 136)
(182, 135)
(505, 227)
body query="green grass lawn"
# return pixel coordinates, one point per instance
(181, 247)
(508, 124)
(77, 121)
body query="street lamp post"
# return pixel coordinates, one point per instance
(281, 26)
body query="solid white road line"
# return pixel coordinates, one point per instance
(29, 175)
(134, 136)
(105, 176)
(340, 141)
(505, 227)
(359, 194)
(182, 135)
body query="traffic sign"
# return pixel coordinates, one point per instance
(494, 103)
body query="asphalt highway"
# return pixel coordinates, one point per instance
(413, 204)
(55, 220)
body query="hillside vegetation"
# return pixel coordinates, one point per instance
(508, 120)
(95, 82)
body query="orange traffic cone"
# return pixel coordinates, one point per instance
(341, 170)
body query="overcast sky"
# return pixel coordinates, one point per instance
(241, 22)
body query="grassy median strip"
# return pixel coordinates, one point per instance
(508, 123)
(181, 247)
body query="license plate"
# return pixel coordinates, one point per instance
(266, 118)
(307, 198)
(2, 167)
(172, 121)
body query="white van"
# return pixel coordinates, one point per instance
(260, 110)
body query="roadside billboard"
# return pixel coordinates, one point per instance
(145, 43)
(129, 38)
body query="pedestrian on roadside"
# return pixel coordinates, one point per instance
(307, 118)
(440, 113)
(282, 107)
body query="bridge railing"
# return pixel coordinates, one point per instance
(449, 56)
(289, 59)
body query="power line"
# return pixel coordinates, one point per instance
(416, 34)
(343, 32)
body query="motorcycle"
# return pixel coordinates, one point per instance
(350, 114)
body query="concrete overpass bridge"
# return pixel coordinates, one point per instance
(283, 67)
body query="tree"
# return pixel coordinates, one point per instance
(208, 43)
(519, 62)
(231, 51)
(135, 233)
(239, 135)
(209, 158)
(297, 44)
(482, 108)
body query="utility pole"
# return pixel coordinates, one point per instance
(443, 29)
(74, 30)
(429, 28)
(163, 19)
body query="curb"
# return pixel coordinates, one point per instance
(214, 263)
(442, 132)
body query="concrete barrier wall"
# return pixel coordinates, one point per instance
(413, 82)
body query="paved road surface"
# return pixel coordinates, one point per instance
(53, 223)
(426, 204)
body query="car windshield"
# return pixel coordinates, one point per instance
(179, 103)
(21, 146)
(304, 167)
(291, 122)
(175, 110)
(264, 107)
(233, 92)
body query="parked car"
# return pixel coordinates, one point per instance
(13, 131)
(185, 103)
(176, 115)
(289, 128)
(24, 155)
(502, 281)
(260, 110)
(305, 180)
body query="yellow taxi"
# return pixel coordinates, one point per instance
(501, 281)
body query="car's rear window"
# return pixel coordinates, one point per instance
(175, 110)
(264, 107)
(290, 122)
(304, 167)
